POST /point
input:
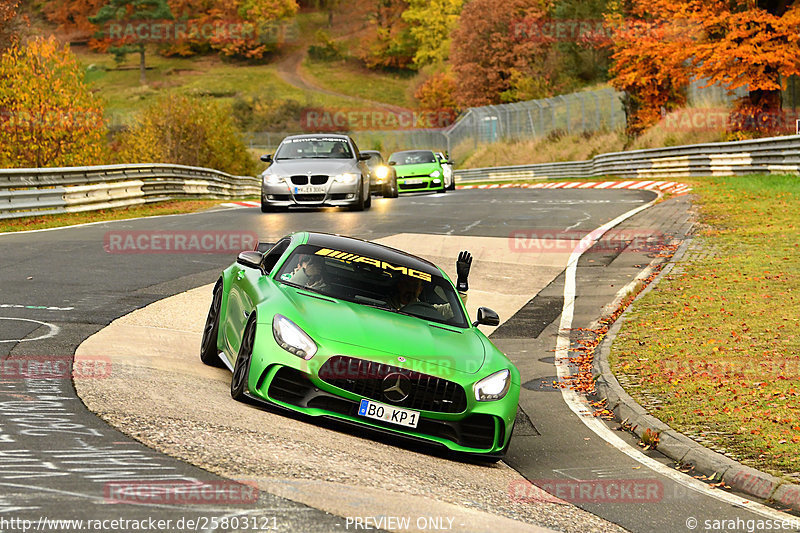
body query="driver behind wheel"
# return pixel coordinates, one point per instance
(408, 289)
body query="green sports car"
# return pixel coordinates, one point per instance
(352, 330)
(418, 170)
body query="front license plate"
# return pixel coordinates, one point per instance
(309, 189)
(413, 182)
(387, 413)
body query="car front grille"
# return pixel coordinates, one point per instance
(410, 186)
(294, 388)
(371, 380)
(314, 179)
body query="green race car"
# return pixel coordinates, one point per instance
(418, 170)
(352, 330)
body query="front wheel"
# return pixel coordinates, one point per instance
(267, 208)
(241, 370)
(209, 354)
(368, 200)
(391, 190)
(360, 204)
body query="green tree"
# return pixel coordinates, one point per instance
(125, 16)
(431, 22)
(49, 116)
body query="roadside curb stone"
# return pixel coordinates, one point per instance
(673, 444)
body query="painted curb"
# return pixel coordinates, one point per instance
(675, 445)
(673, 187)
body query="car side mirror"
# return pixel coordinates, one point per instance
(392, 163)
(250, 259)
(266, 158)
(364, 157)
(487, 317)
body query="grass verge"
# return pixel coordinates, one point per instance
(172, 207)
(714, 349)
(347, 77)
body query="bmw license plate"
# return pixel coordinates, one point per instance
(309, 189)
(387, 413)
(413, 182)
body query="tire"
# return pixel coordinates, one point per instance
(391, 190)
(368, 201)
(209, 353)
(360, 204)
(241, 370)
(266, 208)
(452, 185)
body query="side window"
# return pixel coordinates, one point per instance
(274, 254)
(356, 152)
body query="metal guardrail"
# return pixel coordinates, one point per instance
(45, 191)
(774, 155)
(42, 191)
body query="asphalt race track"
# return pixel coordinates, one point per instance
(60, 461)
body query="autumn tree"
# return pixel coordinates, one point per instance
(11, 21)
(648, 66)
(241, 29)
(183, 130)
(430, 23)
(123, 17)
(737, 43)
(388, 43)
(49, 116)
(72, 16)
(493, 56)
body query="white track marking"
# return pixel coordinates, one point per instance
(580, 406)
(54, 330)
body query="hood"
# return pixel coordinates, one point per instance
(420, 169)
(424, 344)
(329, 167)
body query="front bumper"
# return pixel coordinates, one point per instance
(280, 378)
(334, 194)
(419, 183)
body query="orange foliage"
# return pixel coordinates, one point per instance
(49, 116)
(737, 43)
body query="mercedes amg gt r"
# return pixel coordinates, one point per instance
(338, 327)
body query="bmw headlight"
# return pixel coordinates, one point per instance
(348, 178)
(493, 387)
(382, 172)
(435, 174)
(291, 338)
(273, 179)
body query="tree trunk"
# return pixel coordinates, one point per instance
(142, 77)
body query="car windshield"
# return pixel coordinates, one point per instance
(372, 282)
(414, 157)
(374, 160)
(314, 148)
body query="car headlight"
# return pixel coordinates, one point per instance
(382, 172)
(273, 179)
(348, 178)
(493, 387)
(291, 338)
(435, 174)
